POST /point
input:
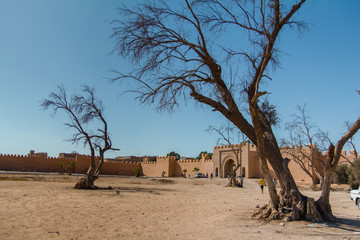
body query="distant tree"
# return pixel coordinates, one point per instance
(174, 154)
(225, 133)
(204, 152)
(61, 168)
(341, 174)
(354, 168)
(180, 52)
(184, 171)
(137, 172)
(302, 132)
(196, 169)
(354, 174)
(70, 168)
(82, 109)
(152, 159)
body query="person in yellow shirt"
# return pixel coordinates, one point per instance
(262, 183)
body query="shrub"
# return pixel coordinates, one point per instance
(70, 167)
(354, 175)
(341, 174)
(184, 171)
(61, 168)
(137, 170)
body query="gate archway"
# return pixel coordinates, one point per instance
(228, 167)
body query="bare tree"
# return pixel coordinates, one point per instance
(81, 110)
(178, 56)
(224, 133)
(332, 161)
(302, 132)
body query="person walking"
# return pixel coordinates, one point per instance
(262, 183)
(275, 182)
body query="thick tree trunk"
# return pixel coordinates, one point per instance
(313, 183)
(295, 206)
(87, 182)
(232, 181)
(274, 198)
(323, 203)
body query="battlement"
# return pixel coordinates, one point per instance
(31, 157)
(351, 155)
(227, 146)
(249, 145)
(122, 162)
(307, 147)
(166, 158)
(148, 162)
(190, 161)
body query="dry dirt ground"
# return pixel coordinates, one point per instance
(48, 207)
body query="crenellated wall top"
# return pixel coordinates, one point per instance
(32, 157)
(166, 158)
(149, 162)
(247, 144)
(344, 153)
(122, 162)
(189, 161)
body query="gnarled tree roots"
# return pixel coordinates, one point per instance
(87, 182)
(303, 208)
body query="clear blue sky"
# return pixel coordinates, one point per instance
(44, 43)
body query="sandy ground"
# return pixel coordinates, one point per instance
(47, 207)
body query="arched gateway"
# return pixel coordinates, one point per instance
(229, 165)
(224, 160)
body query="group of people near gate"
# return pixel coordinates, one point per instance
(240, 181)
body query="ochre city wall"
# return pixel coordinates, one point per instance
(120, 168)
(156, 168)
(297, 172)
(205, 165)
(32, 163)
(172, 167)
(51, 164)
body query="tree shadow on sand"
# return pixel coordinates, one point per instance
(348, 224)
(155, 191)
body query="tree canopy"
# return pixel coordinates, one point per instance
(174, 154)
(204, 152)
(186, 50)
(81, 109)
